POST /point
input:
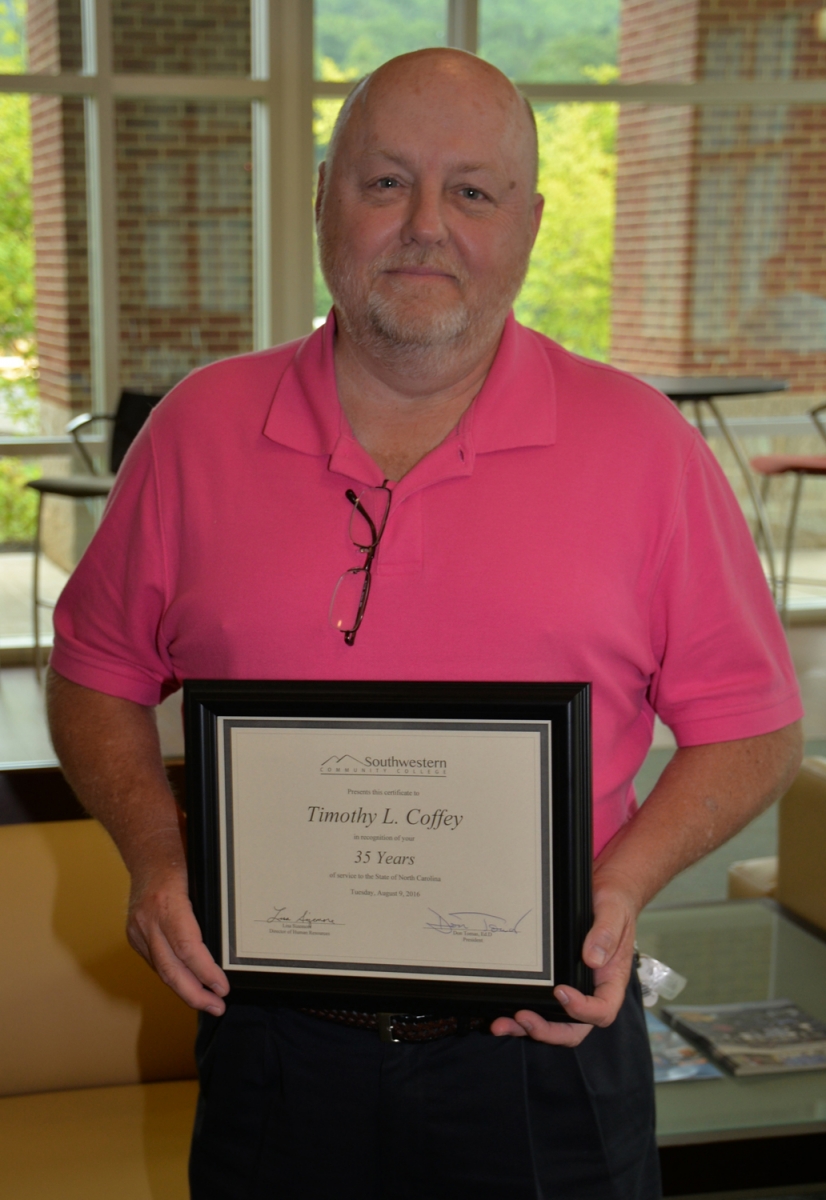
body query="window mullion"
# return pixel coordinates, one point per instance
(283, 160)
(463, 24)
(101, 203)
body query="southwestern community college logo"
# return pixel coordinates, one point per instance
(346, 764)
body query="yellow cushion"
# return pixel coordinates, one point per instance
(752, 877)
(801, 880)
(109, 1143)
(78, 1007)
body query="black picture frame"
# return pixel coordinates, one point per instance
(567, 706)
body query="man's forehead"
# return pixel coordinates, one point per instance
(465, 138)
(443, 102)
(452, 104)
(407, 153)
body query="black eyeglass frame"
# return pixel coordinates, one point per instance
(370, 551)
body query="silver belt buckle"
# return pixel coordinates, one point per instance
(386, 1020)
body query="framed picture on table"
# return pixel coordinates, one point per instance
(392, 846)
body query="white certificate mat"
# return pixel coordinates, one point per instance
(388, 848)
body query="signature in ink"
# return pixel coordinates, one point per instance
(474, 922)
(281, 915)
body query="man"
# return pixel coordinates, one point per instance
(550, 518)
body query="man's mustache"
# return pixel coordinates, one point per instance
(400, 261)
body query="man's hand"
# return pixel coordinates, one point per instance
(704, 796)
(161, 926)
(609, 950)
(112, 758)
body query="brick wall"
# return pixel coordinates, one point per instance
(720, 258)
(184, 201)
(208, 37)
(184, 213)
(184, 232)
(184, 193)
(59, 209)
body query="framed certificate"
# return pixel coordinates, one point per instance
(391, 846)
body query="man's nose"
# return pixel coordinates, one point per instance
(425, 222)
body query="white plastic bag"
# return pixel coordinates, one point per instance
(656, 979)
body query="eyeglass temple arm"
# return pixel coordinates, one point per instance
(350, 634)
(359, 507)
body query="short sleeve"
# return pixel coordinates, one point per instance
(109, 616)
(725, 669)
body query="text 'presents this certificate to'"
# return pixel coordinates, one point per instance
(395, 848)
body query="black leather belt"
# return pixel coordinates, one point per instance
(401, 1027)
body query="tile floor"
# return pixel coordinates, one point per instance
(16, 596)
(24, 736)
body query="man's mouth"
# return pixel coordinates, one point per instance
(432, 271)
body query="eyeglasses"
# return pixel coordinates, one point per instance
(367, 522)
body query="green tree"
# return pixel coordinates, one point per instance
(16, 231)
(17, 309)
(548, 41)
(359, 35)
(18, 504)
(12, 36)
(567, 292)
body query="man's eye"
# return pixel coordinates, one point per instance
(472, 193)
(386, 184)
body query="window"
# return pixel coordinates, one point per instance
(167, 158)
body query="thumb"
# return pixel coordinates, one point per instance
(611, 919)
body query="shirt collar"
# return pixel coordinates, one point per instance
(516, 406)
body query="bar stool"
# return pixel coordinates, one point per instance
(801, 466)
(132, 411)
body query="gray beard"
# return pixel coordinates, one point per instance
(391, 326)
(432, 342)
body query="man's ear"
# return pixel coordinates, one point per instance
(536, 215)
(319, 194)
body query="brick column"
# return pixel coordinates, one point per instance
(720, 261)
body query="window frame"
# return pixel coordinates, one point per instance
(281, 90)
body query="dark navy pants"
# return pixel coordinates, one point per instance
(294, 1108)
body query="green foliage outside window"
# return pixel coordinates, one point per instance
(359, 35)
(567, 292)
(18, 504)
(18, 387)
(548, 41)
(12, 36)
(16, 234)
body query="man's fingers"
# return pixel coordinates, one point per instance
(191, 951)
(163, 929)
(608, 950)
(187, 982)
(530, 1024)
(601, 1008)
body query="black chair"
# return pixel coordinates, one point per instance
(132, 411)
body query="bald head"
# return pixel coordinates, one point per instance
(460, 77)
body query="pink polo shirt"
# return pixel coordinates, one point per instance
(572, 527)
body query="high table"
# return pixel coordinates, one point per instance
(708, 389)
(750, 1132)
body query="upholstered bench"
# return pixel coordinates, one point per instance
(97, 1090)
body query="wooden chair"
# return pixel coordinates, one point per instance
(801, 466)
(132, 411)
